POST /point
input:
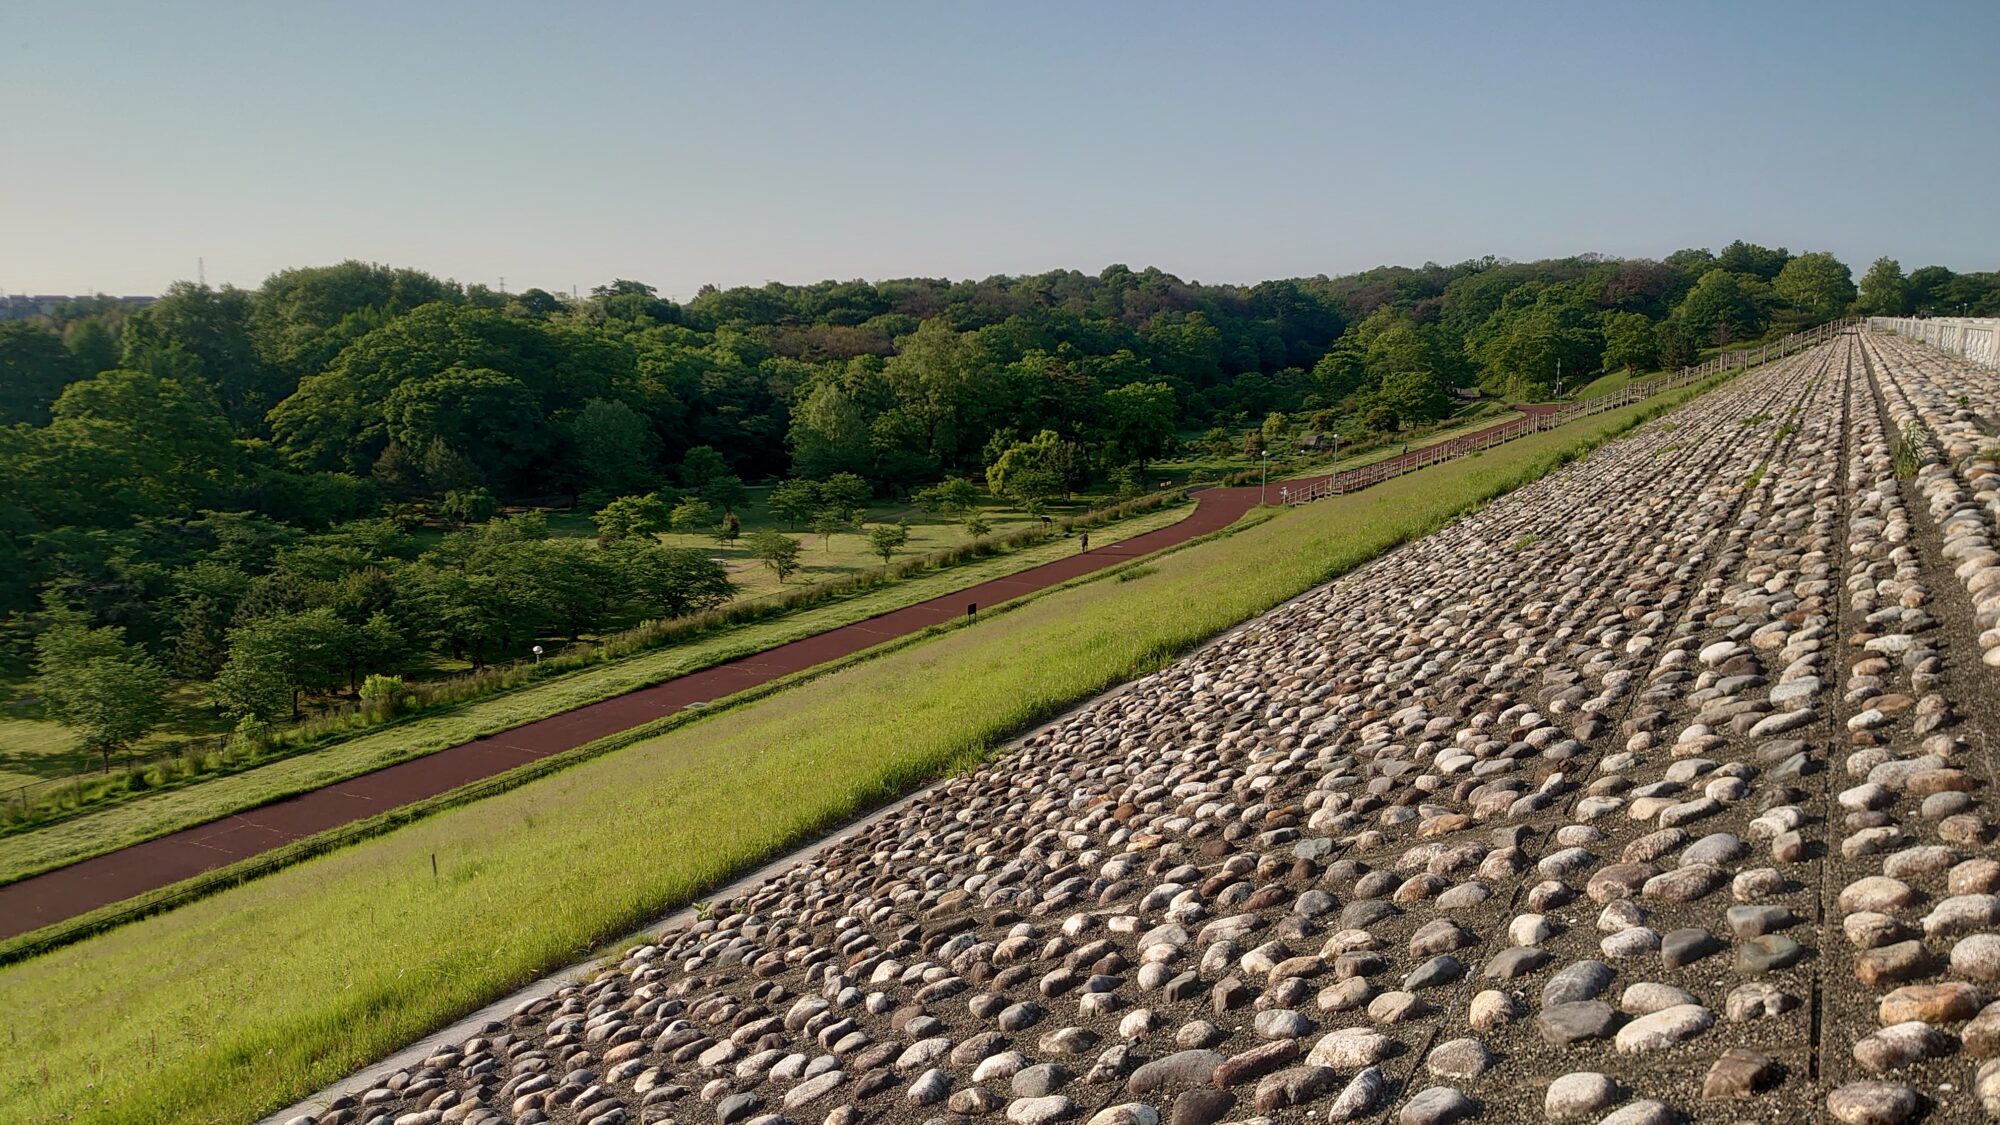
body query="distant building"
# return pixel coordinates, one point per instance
(26, 306)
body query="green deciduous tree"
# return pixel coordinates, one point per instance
(692, 514)
(885, 539)
(570, 584)
(632, 517)
(1884, 292)
(121, 446)
(844, 491)
(1817, 284)
(1760, 262)
(826, 523)
(488, 417)
(1679, 346)
(1630, 342)
(202, 605)
(612, 446)
(794, 501)
(1138, 422)
(110, 691)
(1723, 307)
(951, 496)
(830, 432)
(701, 467)
(276, 660)
(779, 552)
(670, 581)
(1031, 473)
(466, 506)
(34, 369)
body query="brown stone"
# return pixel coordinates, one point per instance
(1949, 1002)
(1893, 964)
(1740, 1073)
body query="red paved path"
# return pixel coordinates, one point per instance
(116, 876)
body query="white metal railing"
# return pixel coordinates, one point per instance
(1975, 338)
(1549, 417)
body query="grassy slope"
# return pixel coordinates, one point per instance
(156, 814)
(246, 1000)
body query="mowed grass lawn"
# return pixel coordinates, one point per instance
(156, 814)
(34, 748)
(245, 1001)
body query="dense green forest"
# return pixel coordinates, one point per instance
(226, 486)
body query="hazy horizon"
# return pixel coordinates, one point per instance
(682, 147)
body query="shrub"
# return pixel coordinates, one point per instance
(383, 695)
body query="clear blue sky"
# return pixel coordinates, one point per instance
(735, 143)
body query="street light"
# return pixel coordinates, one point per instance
(538, 654)
(1263, 486)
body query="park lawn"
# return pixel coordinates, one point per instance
(846, 553)
(247, 1000)
(35, 748)
(155, 814)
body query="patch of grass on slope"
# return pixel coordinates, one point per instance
(247, 1000)
(157, 814)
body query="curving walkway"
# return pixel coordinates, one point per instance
(87, 885)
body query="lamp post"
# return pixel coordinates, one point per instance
(1264, 485)
(538, 654)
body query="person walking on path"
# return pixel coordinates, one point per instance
(1086, 542)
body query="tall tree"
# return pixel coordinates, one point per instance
(830, 432)
(1630, 342)
(1884, 292)
(631, 517)
(1138, 422)
(1817, 284)
(1723, 307)
(1031, 473)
